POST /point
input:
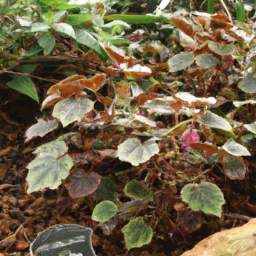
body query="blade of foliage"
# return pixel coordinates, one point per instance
(47, 41)
(77, 19)
(136, 19)
(251, 127)
(53, 16)
(137, 234)
(24, 85)
(70, 110)
(234, 167)
(180, 61)
(4, 7)
(234, 241)
(205, 196)
(107, 190)
(248, 83)
(130, 208)
(94, 83)
(210, 6)
(214, 121)
(40, 27)
(206, 60)
(190, 221)
(235, 149)
(240, 11)
(28, 68)
(116, 26)
(221, 49)
(55, 148)
(158, 107)
(34, 49)
(65, 28)
(87, 39)
(46, 171)
(79, 241)
(41, 128)
(104, 211)
(138, 190)
(80, 184)
(134, 152)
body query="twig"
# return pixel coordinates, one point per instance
(237, 216)
(227, 11)
(25, 234)
(23, 74)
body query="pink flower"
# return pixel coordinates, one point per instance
(189, 136)
(117, 66)
(153, 61)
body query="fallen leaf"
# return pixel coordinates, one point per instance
(240, 241)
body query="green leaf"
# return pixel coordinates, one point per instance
(55, 148)
(116, 26)
(220, 49)
(138, 190)
(71, 110)
(39, 26)
(27, 68)
(134, 152)
(235, 149)
(53, 16)
(137, 234)
(65, 28)
(65, 6)
(34, 49)
(180, 61)
(48, 2)
(219, 132)
(205, 196)
(104, 211)
(77, 19)
(251, 127)
(66, 136)
(116, 22)
(206, 60)
(119, 41)
(24, 84)
(248, 83)
(137, 19)
(4, 7)
(210, 6)
(98, 22)
(234, 167)
(130, 208)
(107, 190)
(47, 41)
(88, 40)
(214, 121)
(47, 171)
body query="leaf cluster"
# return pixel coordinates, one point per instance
(153, 105)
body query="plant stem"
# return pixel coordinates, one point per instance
(210, 6)
(240, 11)
(227, 11)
